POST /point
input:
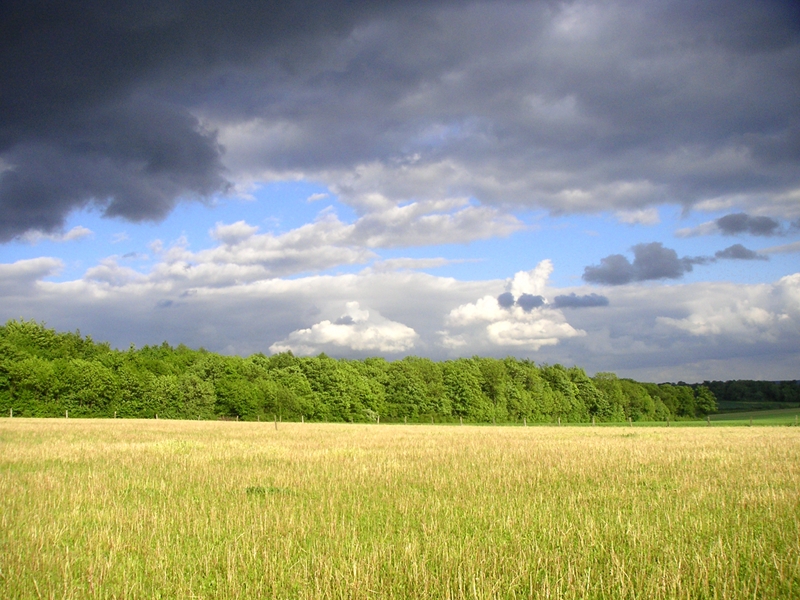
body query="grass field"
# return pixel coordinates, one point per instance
(148, 509)
(780, 416)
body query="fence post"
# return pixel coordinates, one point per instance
(708, 420)
(276, 421)
(10, 413)
(66, 414)
(379, 419)
(630, 421)
(302, 419)
(559, 420)
(592, 419)
(524, 421)
(115, 414)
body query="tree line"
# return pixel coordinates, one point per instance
(754, 395)
(44, 373)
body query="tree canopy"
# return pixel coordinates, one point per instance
(44, 373)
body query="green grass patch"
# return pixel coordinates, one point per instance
(781, 416)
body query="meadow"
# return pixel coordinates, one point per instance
(779, 416)
(205, 509)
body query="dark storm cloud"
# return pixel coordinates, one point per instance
(134, 160)
(743, 223)
(628, 103)
(739, 252)
(96, 99)
(574, 301)
(653, 261)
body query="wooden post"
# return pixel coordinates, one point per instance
(524, 421)
(302, 419)
(592, 419)
(667, 421)
(156, 416)
(460, 420)
(379, 419)
(559, 420)
(431, 420)
(708, 420)
(11, 413)
(115, 414)
(276, 421)
(630, 420)
(237, 417)
(405, 420)
(66, 414)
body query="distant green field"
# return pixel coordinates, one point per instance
(782, 416)
(202, 509)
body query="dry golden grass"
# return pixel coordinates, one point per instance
(147, 509)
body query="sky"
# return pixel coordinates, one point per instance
(608, 184)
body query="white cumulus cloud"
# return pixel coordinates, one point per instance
(357, 329)
(76, 233)
(487, 322)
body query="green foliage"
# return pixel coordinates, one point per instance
(754, 395)
(462, 383)
(45, 373)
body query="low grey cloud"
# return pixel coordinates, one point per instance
(574, 301)
(574, 106)
(528, 302)
(739, 252)
(614, 269)
(737, 224)
(506, 300)
(782, 249)
(743, 223)
(653, 261)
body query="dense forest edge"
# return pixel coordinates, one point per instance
(45, 373)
